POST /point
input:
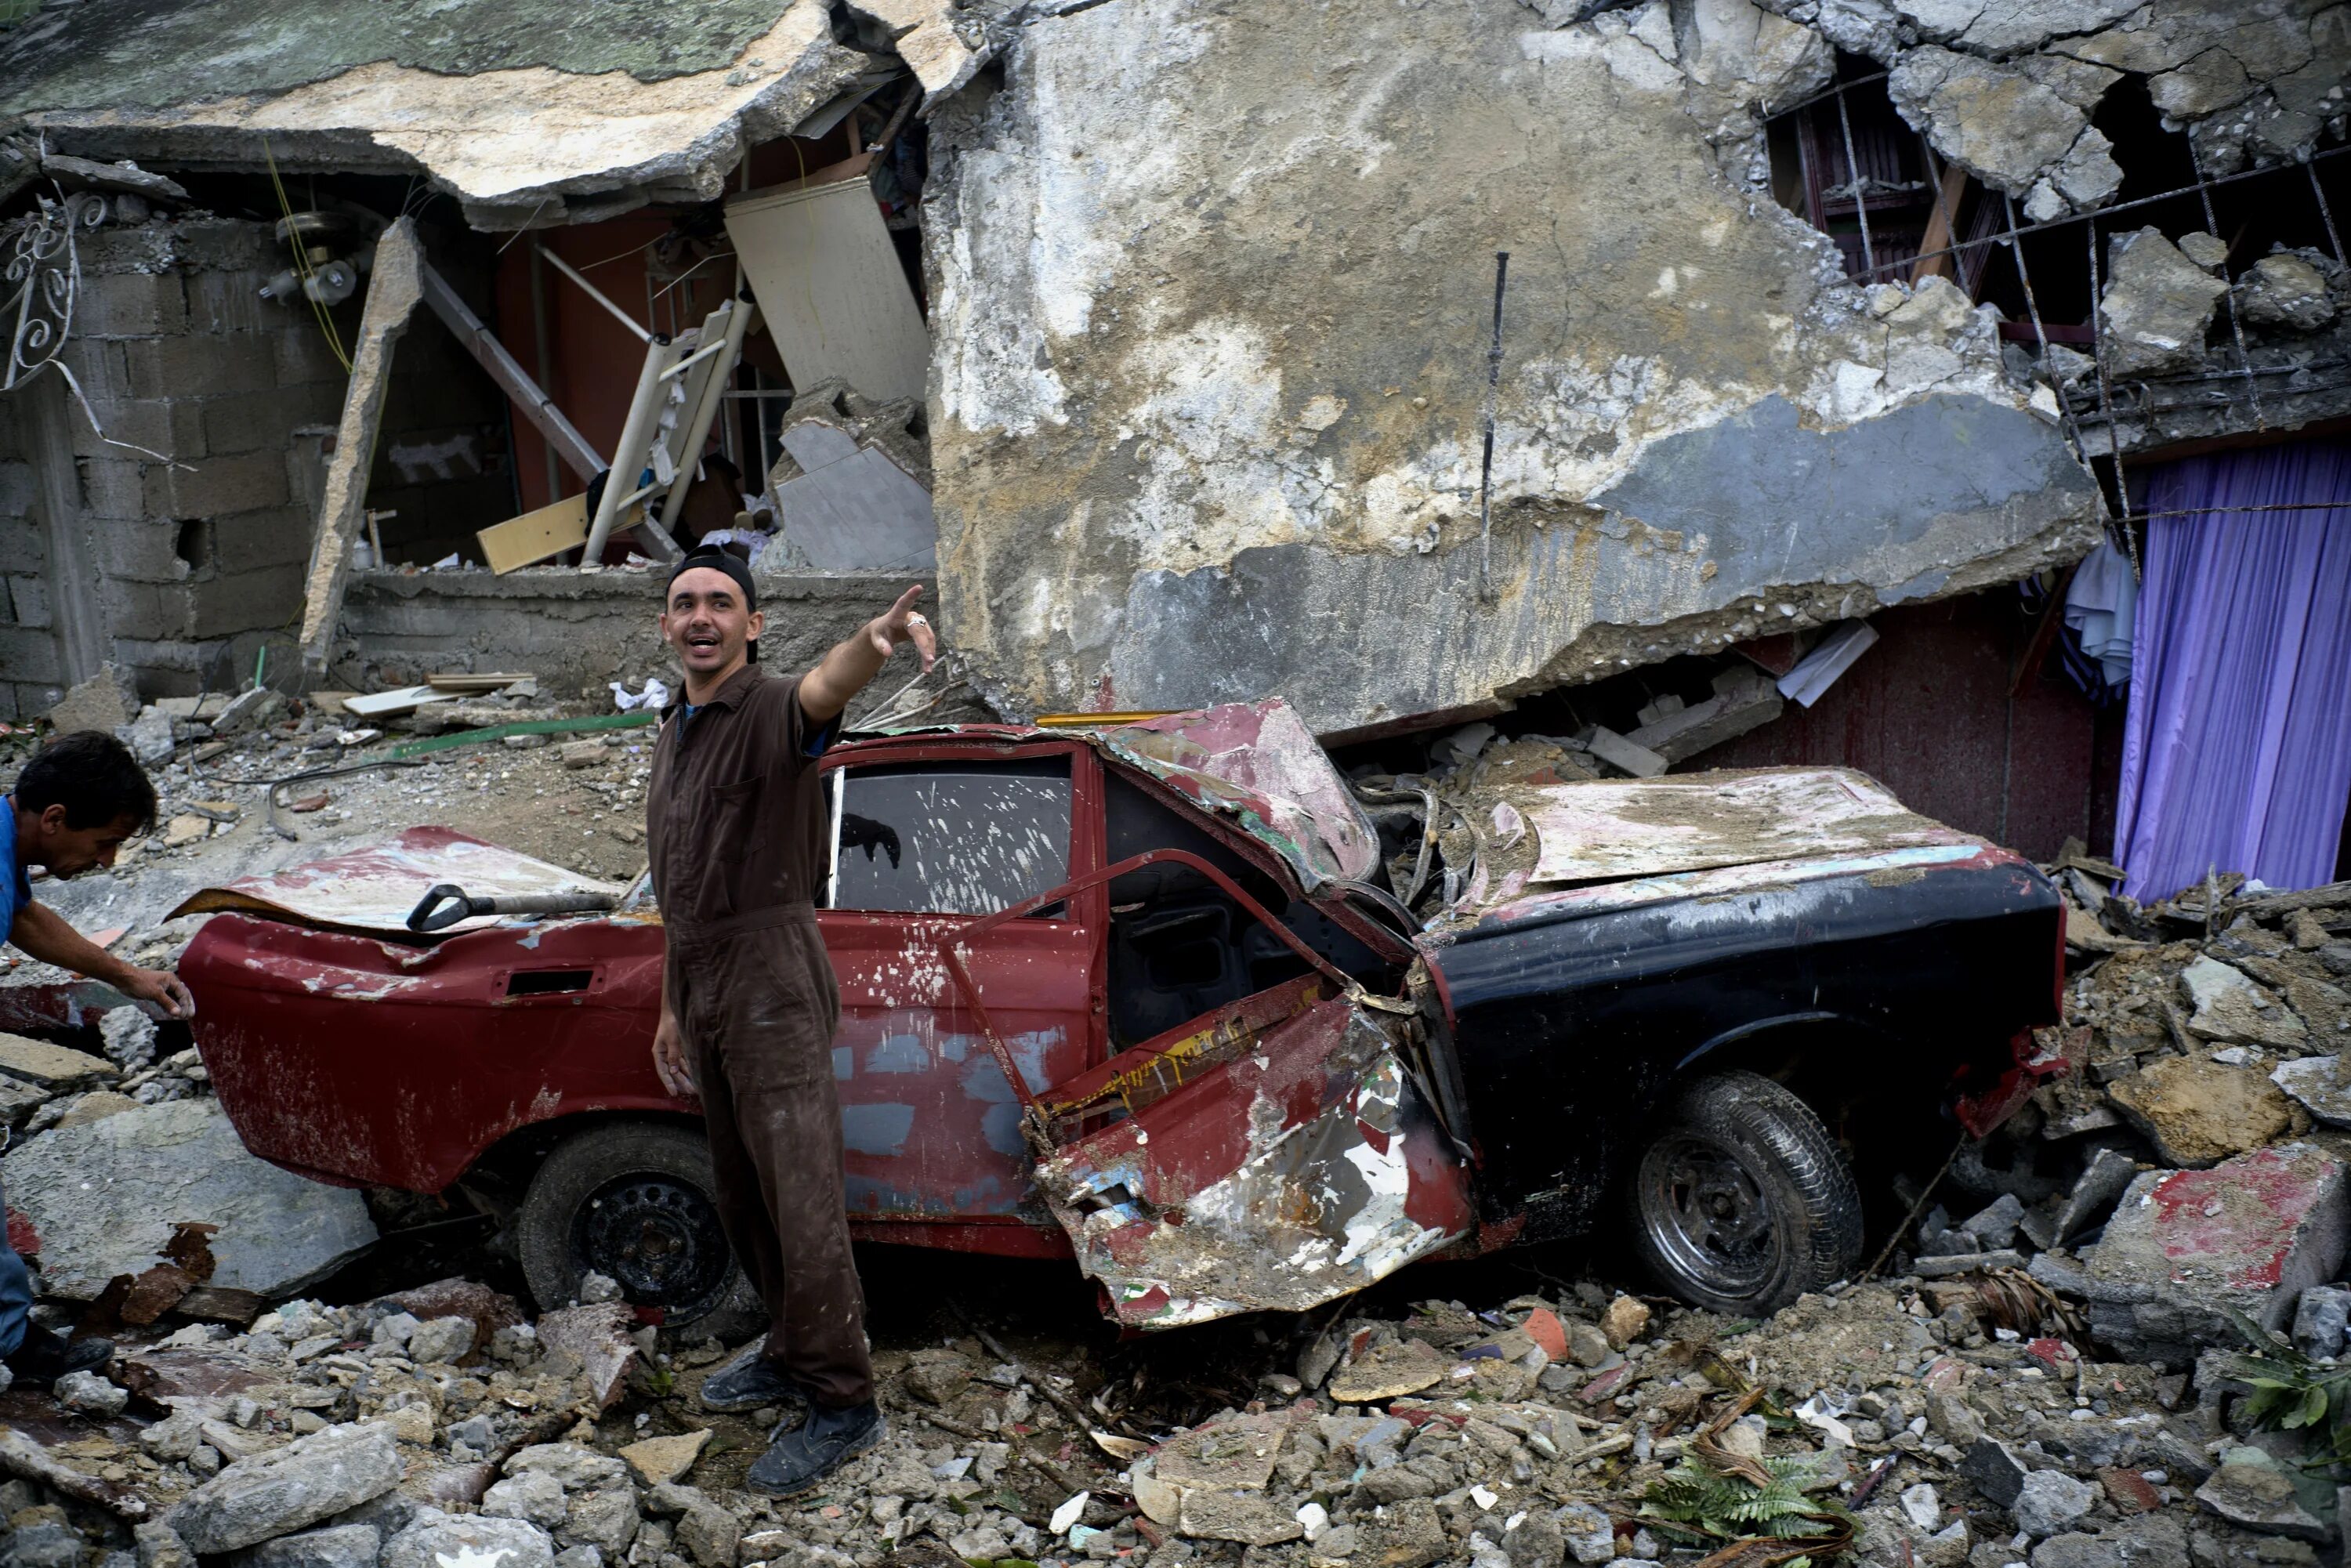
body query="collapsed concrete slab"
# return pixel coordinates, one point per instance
(103, 1198)
(1190, 451)
(2249, 1234)
(548, 115)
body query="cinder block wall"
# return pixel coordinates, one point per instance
(190, 565)
(190, 561)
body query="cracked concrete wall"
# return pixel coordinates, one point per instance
(2005, 88)
(1212, 288)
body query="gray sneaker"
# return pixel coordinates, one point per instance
(752, 1380)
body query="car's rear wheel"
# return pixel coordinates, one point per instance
(633, 1201)
(1741, 1203)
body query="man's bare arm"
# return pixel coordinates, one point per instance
(854, 661)
(47, 935)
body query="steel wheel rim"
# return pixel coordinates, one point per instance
(1705, 1213)
(659, 1237)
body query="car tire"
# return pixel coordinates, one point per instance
(1741, 1203)
(634, 1200)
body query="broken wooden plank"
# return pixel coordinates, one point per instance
(535, 536)
(464, 681)
(525, 394)
(395, 287)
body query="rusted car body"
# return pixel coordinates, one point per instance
(1140, 994)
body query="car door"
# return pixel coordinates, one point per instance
(929, 840)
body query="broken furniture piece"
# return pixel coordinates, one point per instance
(535, 536)
(676, 399)
(827, 275)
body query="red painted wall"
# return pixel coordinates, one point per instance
(1927, 712)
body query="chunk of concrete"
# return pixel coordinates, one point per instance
(2231, 1008)
(2049, 1501)
(105, 701)
(247, 710)
(1993, 120)
(1619, 751)
(2259, 1497)
(104, 1196)
(2157, 308)
(148, 736)
(1995, 1470)
(659, 1460)
(337, 1546)
(439, 1540)
(2317, 1081)
(52, 1067)
(1386, 1372)
(2320, 1319)
(2200, 1113)
(2283, 290)
(1742, 700)
(441, 1340)
(599, 1336)
(2251, 1233)
(575, 1467)
(286, 1489)
(1248, 1517)
(533, 1495)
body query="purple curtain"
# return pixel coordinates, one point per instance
(2237, 754)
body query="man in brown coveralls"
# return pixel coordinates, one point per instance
(736, 822)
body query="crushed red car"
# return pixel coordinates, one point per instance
(1143, 995)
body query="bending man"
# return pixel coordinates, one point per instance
(74, 803)
(736, 824)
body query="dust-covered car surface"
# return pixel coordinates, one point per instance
(1144, 995)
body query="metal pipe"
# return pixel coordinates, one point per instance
(545, 356)
(2014, 229)
(622, 317)
(645, 410)
(561, 438)
(1860, 188)
(705, 410)
(2236, 326)
(2334, 240)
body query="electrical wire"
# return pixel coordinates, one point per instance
(302, 267)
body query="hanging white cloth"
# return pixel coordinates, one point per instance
(2102, 608)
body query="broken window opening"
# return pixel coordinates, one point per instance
(967, 840)
(1180, 948)
(193, 543)
(1880, 218)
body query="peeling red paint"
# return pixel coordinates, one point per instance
(2247, 1210)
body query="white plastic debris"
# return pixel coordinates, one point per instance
(1315, 1518)
(654, 695)
(1070, 1512)
(1817, 1414)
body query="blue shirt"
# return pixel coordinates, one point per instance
(15, 887)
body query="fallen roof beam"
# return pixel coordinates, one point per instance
(561, 434)
(395, 287)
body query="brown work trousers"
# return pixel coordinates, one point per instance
(756, 1004)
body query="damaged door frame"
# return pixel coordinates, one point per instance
(954, 950)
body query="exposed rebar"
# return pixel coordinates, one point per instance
(1486, 471)
(1860, 192)
(2236, 325)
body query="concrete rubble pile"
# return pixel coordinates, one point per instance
(394, 1432)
